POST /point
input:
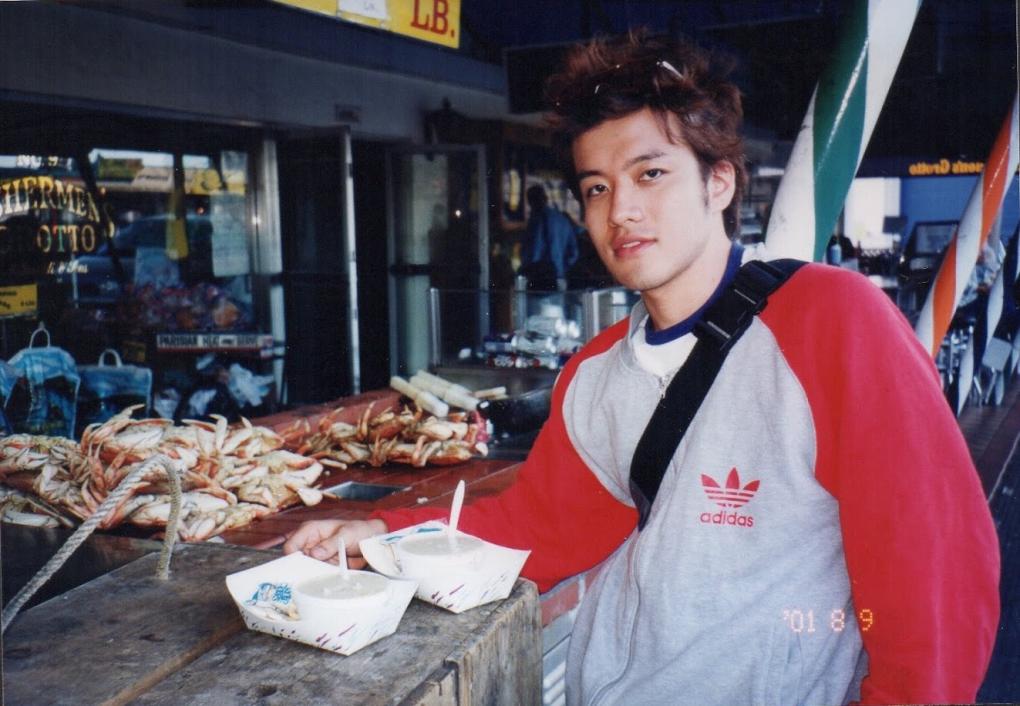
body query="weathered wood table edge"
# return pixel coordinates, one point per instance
(54, 652)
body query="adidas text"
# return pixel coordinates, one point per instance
(727, 518)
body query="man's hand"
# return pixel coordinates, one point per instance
(318, 539)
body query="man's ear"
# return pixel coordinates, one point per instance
(721, 185)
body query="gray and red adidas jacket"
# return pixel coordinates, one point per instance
(821, 536)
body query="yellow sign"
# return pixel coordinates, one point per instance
(436, 21)
(119, 169)
(19, 301)
(944, 167)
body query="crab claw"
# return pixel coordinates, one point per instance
(309, 496)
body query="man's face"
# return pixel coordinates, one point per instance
(650, 213)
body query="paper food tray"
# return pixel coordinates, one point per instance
(491, 579)
(344, 632)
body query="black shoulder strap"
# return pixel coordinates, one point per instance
(719, 328)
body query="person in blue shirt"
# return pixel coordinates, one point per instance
(550, 246)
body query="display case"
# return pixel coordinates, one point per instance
(518, 329)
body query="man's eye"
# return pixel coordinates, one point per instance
(650, 174)
(594, 190)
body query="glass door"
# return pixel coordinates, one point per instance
(438, 238)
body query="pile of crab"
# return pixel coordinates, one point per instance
(21, 508)
(230, 476)
(408, 436)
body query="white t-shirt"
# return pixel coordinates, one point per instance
(663, 359)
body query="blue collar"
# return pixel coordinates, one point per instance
(657, 338)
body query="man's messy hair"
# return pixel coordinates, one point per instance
(610, 78)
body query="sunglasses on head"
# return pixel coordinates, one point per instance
(636, 74)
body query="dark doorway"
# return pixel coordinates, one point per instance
(317, 367)
(370, 219)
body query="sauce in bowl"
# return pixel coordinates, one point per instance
(332, 592)
(429, 554)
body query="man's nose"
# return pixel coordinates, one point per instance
(625, 207)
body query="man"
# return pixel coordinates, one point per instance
(820, 535)
(550, 246)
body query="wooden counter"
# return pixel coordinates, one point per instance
(128, 637)
(188, 654)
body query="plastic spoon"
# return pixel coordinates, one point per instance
(341, 559)
(458, 501)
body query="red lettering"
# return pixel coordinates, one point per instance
(440, 15)
(724, 518)
(419, 23)
(437, 22)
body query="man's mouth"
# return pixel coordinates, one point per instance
(627, 247)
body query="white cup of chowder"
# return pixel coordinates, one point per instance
(335, 592)
(437, 553)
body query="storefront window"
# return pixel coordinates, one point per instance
(182, 238)
(49, 220)
(144, 252)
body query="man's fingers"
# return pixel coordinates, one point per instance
(351, 537)
(324, 550)
(309, 535)
(296, 541)
(319, 539)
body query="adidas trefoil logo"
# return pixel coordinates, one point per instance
(731, 496)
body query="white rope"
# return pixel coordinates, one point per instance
(136, 477)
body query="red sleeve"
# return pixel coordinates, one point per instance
(921, 549)
(557, 508)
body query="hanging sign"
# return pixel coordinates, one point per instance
(436, 21)
(260, 343)
(229, 236)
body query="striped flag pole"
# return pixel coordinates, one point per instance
(840, 119)
(987, 319)
(975, 224)
(1004, 279)
(964, 378)
(993, 312)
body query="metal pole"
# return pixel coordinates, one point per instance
(265, 251)
(435, 329)
(484, 303)
(590, 313)
(350, 255)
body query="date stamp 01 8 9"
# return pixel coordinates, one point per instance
(804, 621)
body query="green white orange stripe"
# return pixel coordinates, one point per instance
(975, 224)
(840, 119)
